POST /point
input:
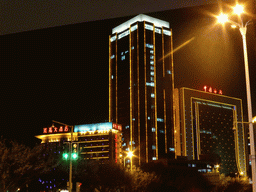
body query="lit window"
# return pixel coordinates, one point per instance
(169, 72)
(112, 56)
(123, 34)
(148, 118)
(150, 84)
(161, 131)
(152, 73)
(158, 30)
(153, 147)
(151, 62)
(149, 27)
(151, 51)
(160, 120)
(112, 76)
(124, 144)
(152, 95)
(149, 46)
(127, 127)
(133, 119)
(193, 165)
(153, 158)
(153, 129)
(151, 57)
(151, 68)
(126, 51)
(132, 47)
(123, 58)
(152, 78)
(171, 149)
(133, 28)
(167, 32)
(113, 38)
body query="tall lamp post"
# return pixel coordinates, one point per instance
(243, 28)
(70, 154)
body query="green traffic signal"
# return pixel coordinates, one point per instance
(74, 156)
(65, 155)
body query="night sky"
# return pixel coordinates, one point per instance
(61, 73)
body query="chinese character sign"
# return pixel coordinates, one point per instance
(54, 129)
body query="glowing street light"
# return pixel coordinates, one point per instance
(130, 155)
(254, 120)
(222, 18)
(238, 9)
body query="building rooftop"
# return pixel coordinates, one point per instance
(140, 18)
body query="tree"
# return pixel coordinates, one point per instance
(19, 164)
(239, 184)
(104, 177)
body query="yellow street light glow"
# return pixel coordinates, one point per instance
(238, 9)
(241, 173)
(233, 26)
(222, 18)
(254, 119)
(217, 166)
(130, 154)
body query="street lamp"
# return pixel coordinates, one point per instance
(130, 154)
(238, 9)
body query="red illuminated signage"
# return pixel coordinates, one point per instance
(211, 90)
(117, 127)
(54, 129)
(116, 148)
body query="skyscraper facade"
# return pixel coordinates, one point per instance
(208, 127)
(141, 86)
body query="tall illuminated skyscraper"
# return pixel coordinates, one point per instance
(141, 86)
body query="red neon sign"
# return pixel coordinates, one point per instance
(117, 127)
(53, 129)
(211, 90)
(115, 148)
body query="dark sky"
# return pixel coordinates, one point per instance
(17, 16)
(61, 73)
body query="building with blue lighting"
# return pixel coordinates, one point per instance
(99, 141)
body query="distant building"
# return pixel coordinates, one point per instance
(141, 86)
(99, 141)
(207, 128)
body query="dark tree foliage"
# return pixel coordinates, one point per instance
(19, 164)
(178, 179)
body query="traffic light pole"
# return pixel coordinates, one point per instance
(70, 154)
(70, 165)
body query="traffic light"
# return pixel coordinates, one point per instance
(65, 156)
(74, 154)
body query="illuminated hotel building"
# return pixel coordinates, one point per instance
(140, 86)
(100, 141)
(207, 125)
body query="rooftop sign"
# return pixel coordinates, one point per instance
(53, 129)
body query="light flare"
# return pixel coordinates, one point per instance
(238, 9)
(222, 18)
